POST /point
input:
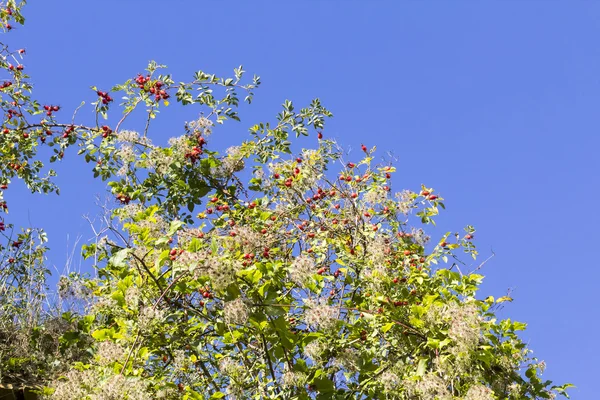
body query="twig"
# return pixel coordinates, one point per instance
(483, 263)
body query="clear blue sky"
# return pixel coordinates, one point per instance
(495, 104)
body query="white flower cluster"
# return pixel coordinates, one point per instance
(320, 314)
(375, 196)
(291, 379)
(390, 381)
(202, 263)
(229, 367)
(430, 386)
(235, 312)
(405, 201)
(479, 392)
(149, 317)
(464, 326)
(248, 239)
(126, 153)
(347, 359)
(108, 352)
(160, 160)
(376, 248)
(126, 136)
(95, 384)
(420, 237)
(201, 126)
(315, 350)
(301, 269)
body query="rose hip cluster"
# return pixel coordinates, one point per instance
(105, 97)
(194, 154)
(6, 84)
(50, 109)
(106, 131)
(67, 131)
(154, 88)
(12, 113)
(123, 198)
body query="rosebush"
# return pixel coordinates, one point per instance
(264, 271)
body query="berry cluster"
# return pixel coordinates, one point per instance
(105, 97)
(51, 109)
(428, 195)
(154, 88)
(6, 84)
(67, 131)
(123, 198)
(106, 131)
(11, 113)
(194, 154)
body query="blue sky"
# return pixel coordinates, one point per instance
(494, 104)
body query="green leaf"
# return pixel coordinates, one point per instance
(118, 260)
(503, 299)
(387, 327)
(422, 367)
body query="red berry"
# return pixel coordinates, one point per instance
(363, 147)
(320, 135)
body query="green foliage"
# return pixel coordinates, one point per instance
(250, 273)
